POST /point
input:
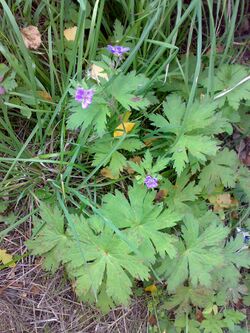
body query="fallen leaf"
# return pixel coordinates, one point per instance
(161, 195)
(44, 95)
(222, 201)
(107, 173)
(152, 320)
(152, 288)
(5, 258)
(119, 131)
(199, 316)
(97, 71)
(31, 37)
(70, 33)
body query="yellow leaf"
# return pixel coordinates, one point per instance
(31, 37)
(107, 173)
(70, 33)
(152, 288)
(44, 95)
(97, 72)
(5, 258)
(215, 309)
(119, 131)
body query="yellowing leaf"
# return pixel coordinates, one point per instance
(152, 288)
(119, 131)
(107, 173)
(5, 258)
(31, 37)
(44, 95)
(70, 33)
(222, 201)
(97, 71)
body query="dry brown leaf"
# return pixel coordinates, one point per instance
(149, 142)
(70, 33)
(31, 37)
(97, 71)
(107, 173)
(223, 201)
(5, 258)
(161, 195)
(44, 95)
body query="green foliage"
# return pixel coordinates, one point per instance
(229, 77)
(106, 152)
(221, 170)
(100, 259)
(112, 234)
(199, 254)
(148, 167)
(193, 135)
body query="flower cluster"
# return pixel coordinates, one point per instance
(84, 96)
(151, 182)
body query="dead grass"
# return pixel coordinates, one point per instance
(31, 300)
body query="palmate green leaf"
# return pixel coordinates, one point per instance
(227, 77)
(117, 161)
(234, 259)
(182, 192)
(194, 135)
(198, 254)
(181, 324)
(221, 170)
(185, 297)
(142, 221)
(213, 323)
(232, 317)
(124, 89)
(102, 260)
(199, 146)
(50, 241)
(148, 167)
(95, 115)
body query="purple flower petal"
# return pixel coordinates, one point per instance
(84, 96)
(117, 50)
(151, 182)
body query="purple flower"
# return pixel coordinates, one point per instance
(118, 50)
(84, 96)
(2, 90)
(151, 182)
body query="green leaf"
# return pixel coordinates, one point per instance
(142, 220)
(213, 323)
(227, 77)
(232, 317)
(198, 254)
(96, 115)
(198, 146)
(221, 170)
(118, 31)
(102, 260)
(124, 88)
(51, 241)
(117, 160)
